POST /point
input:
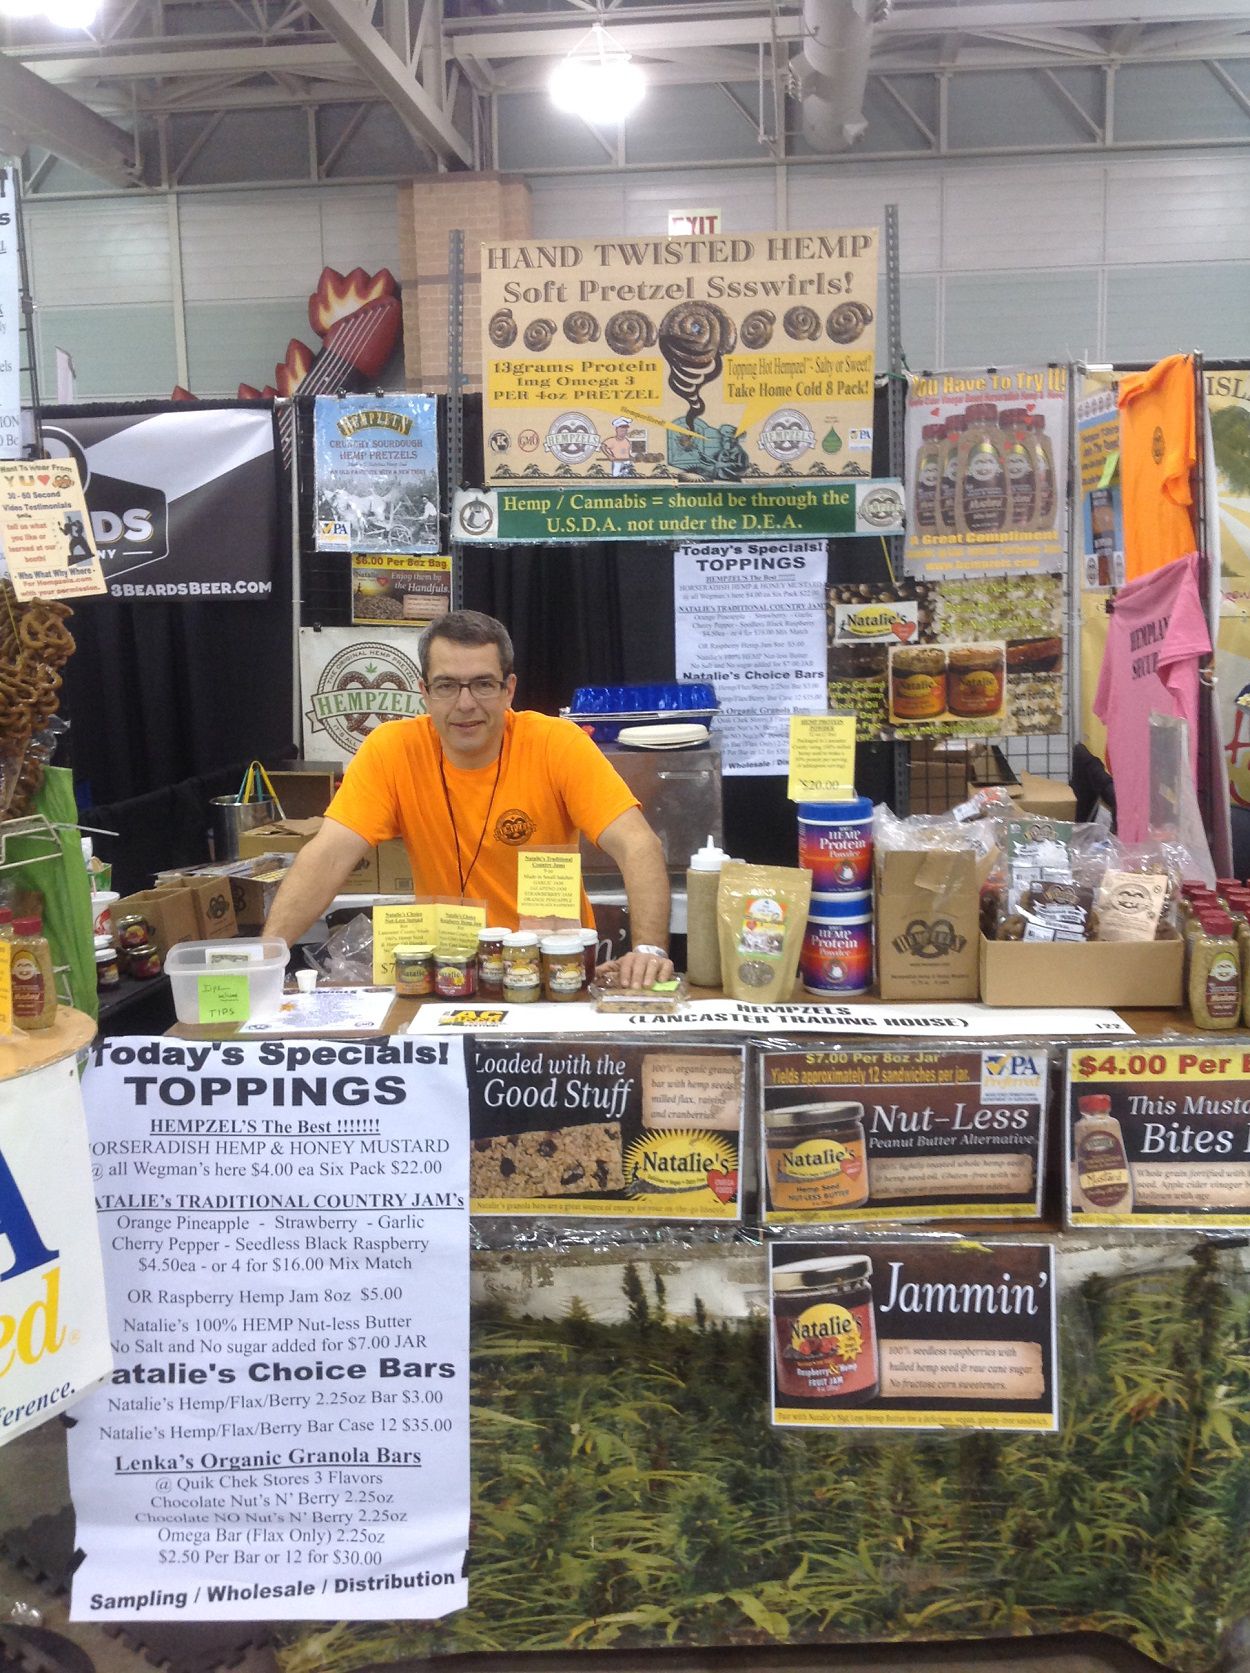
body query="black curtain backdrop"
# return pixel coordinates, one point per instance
(164, 691)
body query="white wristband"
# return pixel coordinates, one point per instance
(658, 952)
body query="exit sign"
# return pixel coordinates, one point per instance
(693, 223)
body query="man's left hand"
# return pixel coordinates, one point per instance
(642, 968)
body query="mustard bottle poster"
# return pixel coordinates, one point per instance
(680, 359)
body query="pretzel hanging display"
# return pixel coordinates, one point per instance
(35, 645)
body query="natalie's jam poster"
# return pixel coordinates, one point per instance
(605, 1129)
(902, 1134)
(917, 1333)
(679, 359)
(1159, 1135)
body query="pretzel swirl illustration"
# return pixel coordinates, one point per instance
(581, 327)
(847, 321)
(539, 335)
(802, 323)
(629, 331)
(694, 339)
(502, 328)
(757, 328)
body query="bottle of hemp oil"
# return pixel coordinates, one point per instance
(1020, 457)
(1102, 1179)
(928, 476)
(948, 472)
(982, 496)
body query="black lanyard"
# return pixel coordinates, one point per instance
(463, 875)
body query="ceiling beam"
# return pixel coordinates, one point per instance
(351, 27)
(167, 60)
(49, 118)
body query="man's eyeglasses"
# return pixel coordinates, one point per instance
(446, 690)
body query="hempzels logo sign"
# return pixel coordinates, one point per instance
(361, 686)
(30, 1325)
(130, 520)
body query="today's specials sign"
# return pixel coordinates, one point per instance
(687, 359)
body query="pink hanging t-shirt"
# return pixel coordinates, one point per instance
(1157, 634)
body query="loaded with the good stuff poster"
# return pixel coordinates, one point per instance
(605, 1128)
(904, 1133)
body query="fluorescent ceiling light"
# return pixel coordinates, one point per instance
(597, 81)
(65, 14)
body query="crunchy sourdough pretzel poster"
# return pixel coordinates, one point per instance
(685, 359)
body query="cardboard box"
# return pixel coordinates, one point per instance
(1049, 796)
(394, 869)
(928, 925)
(1116, 973)
(169, 908)
(939, 775)
(288, 836)
(214, 908)
(280, 836)
(253, 883)
(304, 795)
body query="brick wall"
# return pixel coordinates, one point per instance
(486, 208)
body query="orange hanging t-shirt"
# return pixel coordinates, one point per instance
(1157, 453)
(553, 783)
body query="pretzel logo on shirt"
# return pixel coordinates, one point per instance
(514, 826)
(1156, 445)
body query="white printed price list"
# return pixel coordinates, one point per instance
(285, 1230)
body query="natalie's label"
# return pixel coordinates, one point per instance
(946, 1134)
(1223, 995)
(1158, 1135)
(605, 1130)
(916, 1333)
(29, 988)
(286, 1430)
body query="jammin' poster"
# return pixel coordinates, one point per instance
(680, 359)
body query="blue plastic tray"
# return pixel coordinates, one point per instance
(666, 697)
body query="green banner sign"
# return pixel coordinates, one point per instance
(677, 512)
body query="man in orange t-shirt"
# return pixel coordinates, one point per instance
(469, 783)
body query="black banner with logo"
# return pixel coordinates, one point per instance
(183, 500)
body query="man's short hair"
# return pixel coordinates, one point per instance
(467, 627)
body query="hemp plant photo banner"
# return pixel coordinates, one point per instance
(680, 359)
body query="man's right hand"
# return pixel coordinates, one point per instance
(319, 872)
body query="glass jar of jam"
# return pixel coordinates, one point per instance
(490, 962)
(108, 972)
(414, 970)
(522, 974)
(133, 931)
(590, 952)
(824, 1331)
(817, 1159)
(455, 975)
(143, 962)
(564, 967)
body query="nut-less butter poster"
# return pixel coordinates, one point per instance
(987, 458)
(605, 1129)
(1159, 1136)
(918, 1333)
(680, 359)
(902, 1134)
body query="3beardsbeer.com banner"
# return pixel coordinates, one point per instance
(687, 359)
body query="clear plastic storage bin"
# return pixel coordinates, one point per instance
(195, 969)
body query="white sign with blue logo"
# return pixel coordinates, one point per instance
(54, 1343)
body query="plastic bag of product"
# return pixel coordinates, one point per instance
(761, 917)
(347, 957)
(1140, 890)
(925, 832)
